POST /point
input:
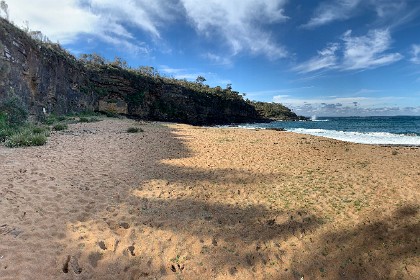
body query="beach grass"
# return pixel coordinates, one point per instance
(60, 127)
(134, 130)
(26, 136)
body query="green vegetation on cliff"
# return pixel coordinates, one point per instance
(275, 111)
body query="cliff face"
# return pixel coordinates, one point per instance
(42, 77)
(159, 99)
(48, 78)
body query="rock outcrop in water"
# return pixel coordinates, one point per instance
(49, 79)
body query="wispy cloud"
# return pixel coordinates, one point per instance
(217, 59)
(143, 14)
(368, 51)
(387, 11)
(387, 8)
(233, 23)
(326, 58)
(67, 20)
(353, 53)
(277, 92)
(415, 52)
(59, 20)
(181, 73)
(236, 23)
(332, 11)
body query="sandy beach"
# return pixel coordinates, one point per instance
(183, 202)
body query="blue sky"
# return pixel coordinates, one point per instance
(325, 58)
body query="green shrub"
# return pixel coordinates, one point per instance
(6, 132)
(50, 120)
(14, 131)
(60, 127)
(88, 120)
(41, 130)
(110, 114)
(3, 120)
(25, 138)
(134, 130)
(13, 111)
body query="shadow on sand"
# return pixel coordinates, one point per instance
(235, 237)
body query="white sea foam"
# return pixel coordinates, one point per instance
(381, 138)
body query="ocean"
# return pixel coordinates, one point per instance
(399, 130)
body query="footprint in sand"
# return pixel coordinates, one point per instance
(174, 267)
(73, 263)
(131, 249)
(124, 225)
(102, 245)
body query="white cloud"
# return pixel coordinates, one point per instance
(65, 20)
(357, 53)
(415, 52)
(387, 8)
(171, 71)
(346, 106)
(368, 51)
(332, 11)
(59, 20)
(325, 59)
(391, 11)
(143, 14)
(233, 23)
(217, 59)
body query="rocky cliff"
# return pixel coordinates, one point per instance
(50, 80)
(156, 98)
(43, 76)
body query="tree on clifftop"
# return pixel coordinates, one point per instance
(5, 8)
(94, 59)
(200, 80)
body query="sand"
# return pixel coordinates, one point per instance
(182, 202)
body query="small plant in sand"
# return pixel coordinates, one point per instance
(52, 119)
(15, 131)
(60, 127)
(111, 114)
(134, 130)
(41, 130)
(29, 136)
(88, 120)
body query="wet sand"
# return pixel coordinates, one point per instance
(183, 202)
